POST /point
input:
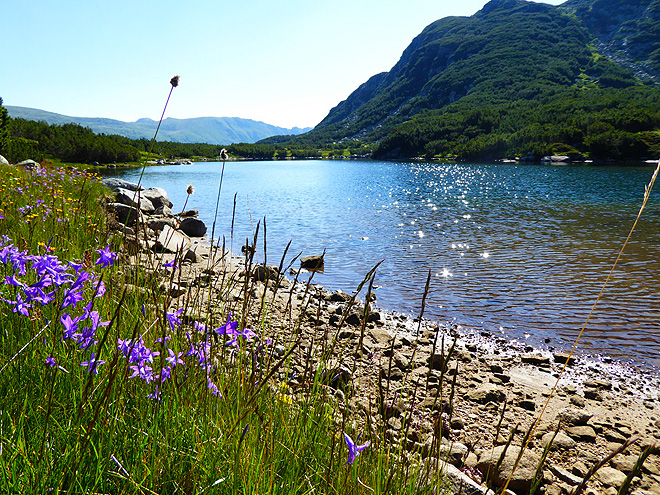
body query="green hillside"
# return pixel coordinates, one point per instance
(517, 77)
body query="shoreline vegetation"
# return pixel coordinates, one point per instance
(138, 360)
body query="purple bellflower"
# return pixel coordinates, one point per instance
(106, 257)
(353, 449)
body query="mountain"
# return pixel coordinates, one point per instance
(627, 31)
(491, 84)
(212, 130)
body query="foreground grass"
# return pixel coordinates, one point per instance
(109, 389)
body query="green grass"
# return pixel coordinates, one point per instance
(66, 430)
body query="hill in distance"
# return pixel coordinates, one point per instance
(211, 130)
(517, 77)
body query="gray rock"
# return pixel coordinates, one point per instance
(583, 433)
(614, 436)
(438, 362)
(373, 317)
(262, 273)
(536, 360)
(524, 473)
(192, 256)
(3, 160)
(124, 214)
(353, 319)
(561, 441)
(565, 476)
(188, 214)
(593, 394)
(28, 164)
(166, 211)
(610, 477)
(563, 358)
(486, 393)
(338, 296)
(172, 240)
(135, 199)
(157, 196)
(157, 223)
(315, 262)
(113, 183)
(600, 384)
(193, 227)
(574, 417)
(624, 463)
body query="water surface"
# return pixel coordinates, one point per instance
(521, 250)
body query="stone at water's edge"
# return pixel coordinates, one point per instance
(172, 240)
(135, 199)
(314, 262)
(193, 227)
(112, 183)
(157, 196)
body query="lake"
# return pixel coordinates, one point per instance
(519, 250)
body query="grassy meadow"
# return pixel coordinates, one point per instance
(106, 386)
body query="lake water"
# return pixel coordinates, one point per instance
(519, 250)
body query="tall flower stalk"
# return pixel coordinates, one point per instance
(174, 82)
(223, 157)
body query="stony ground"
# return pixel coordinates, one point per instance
(468, 398)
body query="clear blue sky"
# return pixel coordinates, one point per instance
(285, 62)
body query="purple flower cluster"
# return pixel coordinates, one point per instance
(149, 366)
(43, 280)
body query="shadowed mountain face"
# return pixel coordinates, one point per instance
(212, 130)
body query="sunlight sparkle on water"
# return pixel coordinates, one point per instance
(445, 273)
(485, 255)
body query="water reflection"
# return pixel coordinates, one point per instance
(519, 248)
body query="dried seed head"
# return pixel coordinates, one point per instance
(87, 260)
(223, 155)
(190, 189)
(174, 81)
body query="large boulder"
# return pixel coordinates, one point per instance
(124, 214)
(135, 199)
(193, 227)
(157, 196)
(114, 183)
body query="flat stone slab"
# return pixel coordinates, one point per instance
(172, 240)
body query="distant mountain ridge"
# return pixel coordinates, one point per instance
(211, 130)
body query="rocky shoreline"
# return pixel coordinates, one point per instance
(446, 392)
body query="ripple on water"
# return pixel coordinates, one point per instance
(526, 248)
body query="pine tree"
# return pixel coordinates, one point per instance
(4, 128)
